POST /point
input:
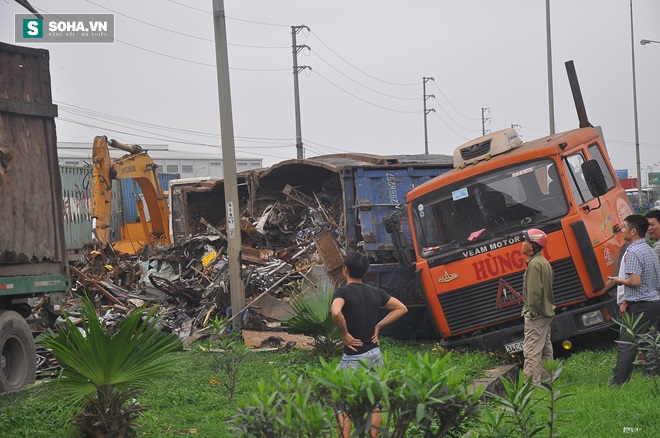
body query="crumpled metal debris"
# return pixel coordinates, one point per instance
(293, 240)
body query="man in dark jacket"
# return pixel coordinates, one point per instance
(539, 305)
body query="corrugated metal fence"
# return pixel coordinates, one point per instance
(77, 199)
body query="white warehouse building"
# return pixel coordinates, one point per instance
(186, 163)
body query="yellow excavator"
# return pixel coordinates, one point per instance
(138, 166)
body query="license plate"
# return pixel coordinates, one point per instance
(514, 347)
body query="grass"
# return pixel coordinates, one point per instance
(189, 403)
(600, 410)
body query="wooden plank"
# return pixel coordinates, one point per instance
(28, 108)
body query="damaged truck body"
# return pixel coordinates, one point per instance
(32, 243)
(467, 226)
(335, 203)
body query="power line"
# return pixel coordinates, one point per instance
(85, 111)
(450, 104)
(150, 24)
(329, 148)
(645, 144)
(181, 59)
(199, 63)
(363, 100)
(230, 18)
(191, 7)
(178, 140)
(363, 72)
(452, 119)
(316, 151)
(181, 33)
(182, 141)
(257, 22)
(493, 121)
(105, 129)
(360, 84)
(450, 128)
(322, 42)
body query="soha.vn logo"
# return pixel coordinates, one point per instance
(33, 28)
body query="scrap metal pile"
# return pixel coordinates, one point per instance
(294, 241)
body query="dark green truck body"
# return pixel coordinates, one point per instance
(32, 245)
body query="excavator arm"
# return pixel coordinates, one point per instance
(101, 189)
(139, 167)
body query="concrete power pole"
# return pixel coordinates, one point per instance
(295, 49)
(485, 117)
(228, 163)
(551, 99)
(634, 84)
(426, 112)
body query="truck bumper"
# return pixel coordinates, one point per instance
(566, 325)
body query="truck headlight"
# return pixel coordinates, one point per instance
(592, 318)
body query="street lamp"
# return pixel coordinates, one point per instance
(645, 42)
(201, 168)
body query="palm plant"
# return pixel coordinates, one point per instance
(312, 317)
(102, 374)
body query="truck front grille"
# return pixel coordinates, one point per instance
(476, 306)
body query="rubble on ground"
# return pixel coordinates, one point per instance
(294, 241)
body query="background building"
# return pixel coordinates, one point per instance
(187, 164)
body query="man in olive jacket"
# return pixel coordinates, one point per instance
(539, 305)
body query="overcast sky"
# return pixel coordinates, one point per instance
(157, 83)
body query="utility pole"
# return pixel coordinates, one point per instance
(426, 112)
(295, 49)
(228, 163)
(551, 99)
(634, 84)
(485, 117)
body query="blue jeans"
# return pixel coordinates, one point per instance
(372, 357)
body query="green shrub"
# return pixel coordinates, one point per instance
(648, 345)
(285, 408)
(103, 374)
(426, 396)
(430, 394)
(516, 413)
(227, 355)
(312, 317)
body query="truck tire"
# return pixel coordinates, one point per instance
(18, 363)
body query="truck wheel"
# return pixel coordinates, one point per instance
(18, 363)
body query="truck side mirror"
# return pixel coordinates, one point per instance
(593, 175)
(399, 241)
(392, 223)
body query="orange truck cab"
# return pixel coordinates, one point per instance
(467, 232)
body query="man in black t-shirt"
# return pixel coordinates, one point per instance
(355, 311)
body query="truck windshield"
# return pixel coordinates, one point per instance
(488, 205)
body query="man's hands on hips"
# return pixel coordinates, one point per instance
(350, 341)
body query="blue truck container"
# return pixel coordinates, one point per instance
(130, 190)
(371, 188)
